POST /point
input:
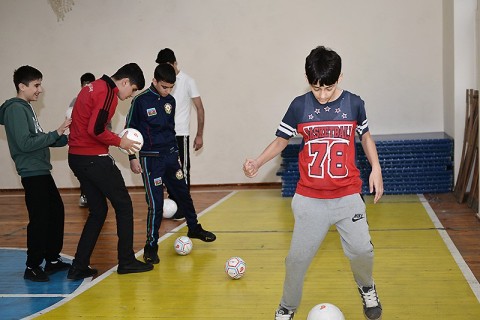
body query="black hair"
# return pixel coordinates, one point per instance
(86, 78)
(165, 72)
(323, 66)
(134, 74)
(25, 75)
(166, 56)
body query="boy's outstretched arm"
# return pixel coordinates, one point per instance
(251, 166)
(375, 181)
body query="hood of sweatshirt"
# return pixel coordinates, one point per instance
(8, 104)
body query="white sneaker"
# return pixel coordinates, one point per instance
(283, 314)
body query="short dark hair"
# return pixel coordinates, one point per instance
(323, 66)
(134, 74)
(166, 56)
(165, 72)
(86, 78)
(25, 75)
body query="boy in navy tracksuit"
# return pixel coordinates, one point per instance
(152, 113)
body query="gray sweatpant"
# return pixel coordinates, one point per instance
(313, 218)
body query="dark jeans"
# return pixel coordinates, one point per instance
(46, 217)
(101, 180)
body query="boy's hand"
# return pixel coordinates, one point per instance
(250, 168)
(198, 143)
(64, 126)
(375, 182)
(135, 166)
(128, 145)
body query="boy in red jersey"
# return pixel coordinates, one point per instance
(96, 171)
(328, 191)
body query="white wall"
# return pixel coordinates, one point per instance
(247, 57)
(465, 57)
(448, 69)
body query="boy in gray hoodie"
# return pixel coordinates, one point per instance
(29, 148)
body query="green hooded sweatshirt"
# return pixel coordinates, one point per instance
(28, 144)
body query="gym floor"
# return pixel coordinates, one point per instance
(423, 268)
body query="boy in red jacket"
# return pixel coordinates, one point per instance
(96, 171)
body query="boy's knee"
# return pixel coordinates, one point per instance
(359, 250)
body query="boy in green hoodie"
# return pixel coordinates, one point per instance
(29, 148)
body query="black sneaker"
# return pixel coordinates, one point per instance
(150, 254)
(35, 274)
(75, 273)
(284, 314)
(199, 233)
(54, 266)
(134, 267)
(372, 308)
(178, 216)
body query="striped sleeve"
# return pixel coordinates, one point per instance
(362, 121)
(102, 115)
(288, 126)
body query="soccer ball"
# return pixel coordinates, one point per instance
(183, 245)
(325, 311)
(235, 267)
(169, 208)
(132, 134)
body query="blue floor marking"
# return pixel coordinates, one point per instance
(20, 298)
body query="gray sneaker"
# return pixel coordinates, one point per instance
(372, 308)
(283, 314)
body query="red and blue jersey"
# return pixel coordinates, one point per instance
(326, 159)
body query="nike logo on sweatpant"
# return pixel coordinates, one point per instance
(357, 217)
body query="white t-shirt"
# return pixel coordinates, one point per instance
(184, 90)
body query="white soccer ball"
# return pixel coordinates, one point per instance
(183, 245)
(325, 311)
(169, 208)
(132, 134)
(235, 267)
